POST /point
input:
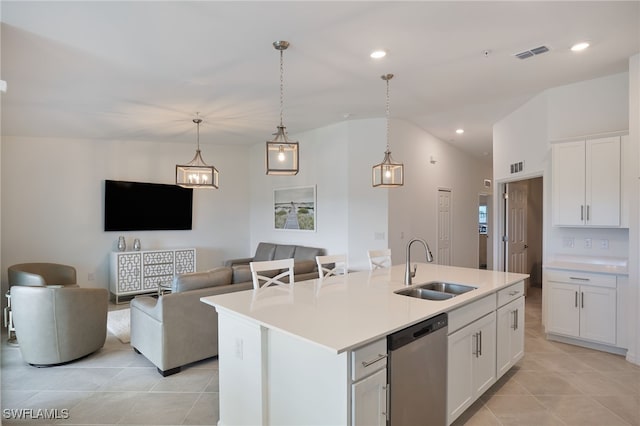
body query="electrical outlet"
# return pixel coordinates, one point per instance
(587, 243)
(91, 276)
(604, 244)
(568, 242)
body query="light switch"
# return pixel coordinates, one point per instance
(587, 243)
(604, 244)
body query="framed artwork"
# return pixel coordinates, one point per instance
(295, 208)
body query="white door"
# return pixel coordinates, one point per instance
(460, 360)
(444, 227)
(603, 182)
(517, 227)
(568, 181)
(484, 370)
(563, 314)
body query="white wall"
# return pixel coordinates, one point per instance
(53, 195)
(633, 322)
(337, 159)
(413, 209)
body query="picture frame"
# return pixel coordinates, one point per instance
(294, 209)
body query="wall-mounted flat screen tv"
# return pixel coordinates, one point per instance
(140, 206)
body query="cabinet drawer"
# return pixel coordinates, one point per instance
(367, 359)
(510, 293)
(460, 317)
(582, 278)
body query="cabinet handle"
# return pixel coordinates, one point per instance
(579, 279)
(582, 299)
(387, 402)
(365, 364)
(581, 212)
(515, 320)
(588, 212)
(480, 344)
(513, 293)
(475, 343)
(576, 300)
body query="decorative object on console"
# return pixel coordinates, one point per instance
(388, 174)
(136, 244)
(295, 208)
(122, 244)
(282, 154)
(196, 173)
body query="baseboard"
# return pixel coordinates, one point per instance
(585, 344)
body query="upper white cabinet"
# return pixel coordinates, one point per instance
(586, 182)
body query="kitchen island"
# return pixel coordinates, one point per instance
(295, 355)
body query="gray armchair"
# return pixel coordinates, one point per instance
(41, 274)
(58, 325)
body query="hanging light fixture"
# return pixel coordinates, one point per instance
(196, 173)
(388, 174)
(282, 154)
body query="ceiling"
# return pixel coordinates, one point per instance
(141, 70)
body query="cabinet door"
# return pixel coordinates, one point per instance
(563, 314)
(598, 314)
(129, 272)
(603, 182)
(370, 400)
(510, 335)
(484, 368)
(461, 353)
(568, 183)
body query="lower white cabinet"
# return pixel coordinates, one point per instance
(471, 364)
(369, 398)
(582, 305)
(510, 335)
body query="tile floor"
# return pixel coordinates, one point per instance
(555, 384)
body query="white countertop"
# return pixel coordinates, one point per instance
(344, 312)
(604, 265)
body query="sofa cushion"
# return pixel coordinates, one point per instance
(241, 274)
(284, 252)
(198, 280)
(307, 253)
(304, 266)
(265, 251)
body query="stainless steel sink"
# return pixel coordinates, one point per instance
(450, 288)
(423, 293)
(435, 290)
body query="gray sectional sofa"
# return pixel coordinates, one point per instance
(177, 329)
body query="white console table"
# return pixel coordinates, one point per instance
(138, 272)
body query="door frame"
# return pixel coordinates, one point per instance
(500, 247)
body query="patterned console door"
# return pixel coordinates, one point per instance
(142, 271)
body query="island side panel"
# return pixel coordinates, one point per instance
(242, 372)
(308, 384)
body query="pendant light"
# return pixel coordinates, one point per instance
(196, 173)
(282, 154)
(388, 174)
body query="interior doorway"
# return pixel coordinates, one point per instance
(484, 225)
(522, 227)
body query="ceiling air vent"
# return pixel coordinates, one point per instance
(529, 53)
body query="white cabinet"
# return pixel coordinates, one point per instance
(471, 364)
(582, 305)
(586, 183)
(510, 335)
(369, 398)
(369, 384)
(137, 272)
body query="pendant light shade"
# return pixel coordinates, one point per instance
(282, 154)
(196, 173)
(388, 174)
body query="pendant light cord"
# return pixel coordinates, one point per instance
(387, 114)
(281, 85)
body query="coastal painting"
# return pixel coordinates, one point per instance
(295, 208)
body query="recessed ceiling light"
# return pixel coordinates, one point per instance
(579, 46)
(460, 131)
(377, 54)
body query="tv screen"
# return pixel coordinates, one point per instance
(138, 206)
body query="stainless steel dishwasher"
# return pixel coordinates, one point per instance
(417, 374)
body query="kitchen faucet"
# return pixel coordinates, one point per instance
(408, 274)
